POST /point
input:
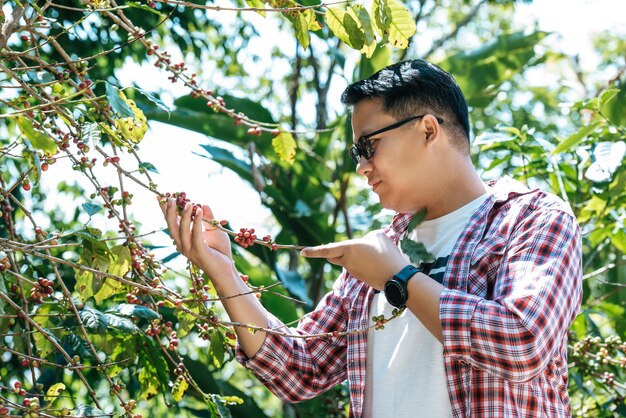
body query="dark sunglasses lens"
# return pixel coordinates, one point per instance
(365, 146)
(355, 154)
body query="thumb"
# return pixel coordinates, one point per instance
(207, 213)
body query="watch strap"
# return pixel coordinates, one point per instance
(406, 273)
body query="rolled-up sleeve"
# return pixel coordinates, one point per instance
(296, 368)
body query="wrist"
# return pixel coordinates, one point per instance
(396, 290)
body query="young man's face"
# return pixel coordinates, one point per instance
(399, 171)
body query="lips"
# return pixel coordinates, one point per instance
(374, 184)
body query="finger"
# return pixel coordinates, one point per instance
(207, 214)
(197, 229)
(162, 203)
(171, 217)
(324, 251)
(184, 231)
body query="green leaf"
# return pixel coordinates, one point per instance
(39, 140)
(53, 393)
(362, 16)
(285, 147)
(158, 102)
(96, 255)
(399, 23)
(87, 411)
(257, 4)
(118, 105)
(301, 25)
(120, 263)
(180, 387)
(417, 219)
(612, 104)
(221, 403)
(228, 160)
(250, 108)
(93, 320)
(40, 76)
(216, 348)
(43, 345)
(607, 158)
(482, 71)
(416, 251)
(575, 138)
(619, 240)
(90, 133)
(123, 351)
(294, 283)
(91, 209)
(345, 26)
(149, 166)
(186, 321)
(380, 23)
(222, 410)
(119, 323)
(134, 311)
(153, 374)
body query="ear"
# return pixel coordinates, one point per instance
(432, 129)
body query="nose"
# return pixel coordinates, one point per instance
(364, 166)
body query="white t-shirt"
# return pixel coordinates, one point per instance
(405, 376)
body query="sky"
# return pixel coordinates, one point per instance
(171, 149)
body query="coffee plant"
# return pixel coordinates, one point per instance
(94, 324)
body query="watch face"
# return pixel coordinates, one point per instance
(393, 293)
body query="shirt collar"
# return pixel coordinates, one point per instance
(503, 190)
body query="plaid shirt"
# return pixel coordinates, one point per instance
(513, 288)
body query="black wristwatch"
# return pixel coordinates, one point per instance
(395, 288)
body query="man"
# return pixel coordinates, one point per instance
(484, 332)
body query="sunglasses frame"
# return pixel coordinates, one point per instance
(363, 147)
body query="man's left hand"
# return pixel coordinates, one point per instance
(372, 259)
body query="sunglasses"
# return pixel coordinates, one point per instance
(363, 146)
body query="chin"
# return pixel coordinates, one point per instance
(390, 205)
(399, 207)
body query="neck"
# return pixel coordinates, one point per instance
(459, 186)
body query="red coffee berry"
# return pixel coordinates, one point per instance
(26, 186)
(44, 167)
(245, 237)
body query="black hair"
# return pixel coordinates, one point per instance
(417, 86)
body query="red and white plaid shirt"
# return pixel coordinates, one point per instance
(513, 288)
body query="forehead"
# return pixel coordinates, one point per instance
(368, 116)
